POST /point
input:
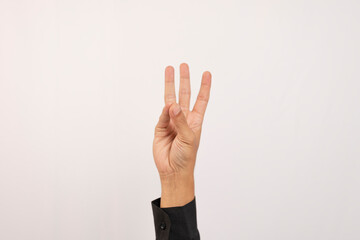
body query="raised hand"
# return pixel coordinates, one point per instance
(177, 137)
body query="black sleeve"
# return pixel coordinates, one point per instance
(175, 223)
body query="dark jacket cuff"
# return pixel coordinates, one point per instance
(175, 223)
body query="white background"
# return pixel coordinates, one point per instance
(81, 89)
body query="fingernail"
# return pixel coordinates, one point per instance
(176, 110)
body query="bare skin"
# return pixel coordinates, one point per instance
(177, 137)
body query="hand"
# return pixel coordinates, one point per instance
(177, 137)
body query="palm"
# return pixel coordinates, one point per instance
(171, 152)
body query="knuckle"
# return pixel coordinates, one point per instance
(170, 97)
(203, 98)
(192, 140)
(188, 139)
(184, 107)
(206, 83)
(185, 91)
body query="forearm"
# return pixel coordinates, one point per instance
(175, 211)
(177, 190)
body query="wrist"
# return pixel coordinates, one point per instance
(177, 189)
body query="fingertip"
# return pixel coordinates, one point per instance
(166, 107)
(184, 65)
(169, 69)
(207, 74)
(175, 109)
(169, 79)
(206, 78)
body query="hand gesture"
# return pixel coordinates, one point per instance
(177, 136)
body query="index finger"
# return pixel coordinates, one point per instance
(169, 96)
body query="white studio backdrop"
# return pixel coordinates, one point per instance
(81, 89)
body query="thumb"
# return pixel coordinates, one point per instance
(164, 118)
(181, 125)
